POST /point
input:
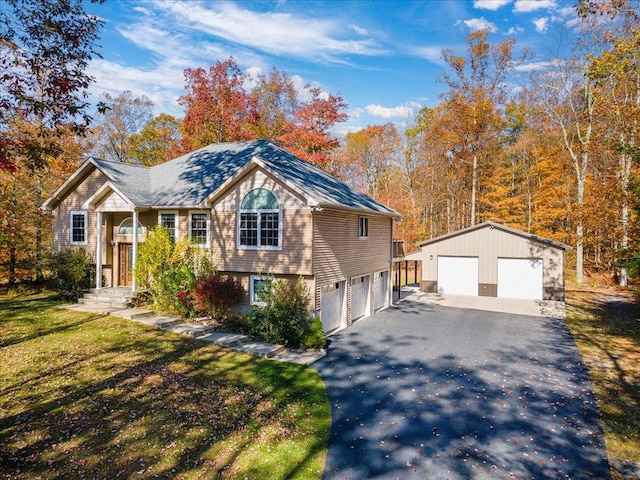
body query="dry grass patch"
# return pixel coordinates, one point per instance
(606, 326)
(87, 396)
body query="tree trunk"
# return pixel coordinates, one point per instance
(474, 187)
(625, 173)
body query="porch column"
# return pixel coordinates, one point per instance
(135, 250)
(99, 253)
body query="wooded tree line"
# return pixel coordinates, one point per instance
(557, 157)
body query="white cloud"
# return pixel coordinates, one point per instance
(359, 30)
(402, 111)
(490, 4)
(514, 30)
(526, 6)
(481, 23)
(433, 54)
(542, 24)
(162, 85)
(305, 37)
(537, 66)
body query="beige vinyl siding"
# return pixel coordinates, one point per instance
(293, 258)
(339, 254)
(244, 279)
(74, 201)
(489, 244)
(113, 203)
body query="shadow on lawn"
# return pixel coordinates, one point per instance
(150, 405)
(410, 404)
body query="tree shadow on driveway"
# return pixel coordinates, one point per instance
(423, 391)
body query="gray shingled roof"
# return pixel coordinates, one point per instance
(188, 180)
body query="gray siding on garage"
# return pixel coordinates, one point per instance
(489, 242)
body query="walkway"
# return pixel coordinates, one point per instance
(239, 343)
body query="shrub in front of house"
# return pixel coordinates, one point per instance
(215, 295)
(170, 271)
(314, 337)
(284, 316)
(72, 272)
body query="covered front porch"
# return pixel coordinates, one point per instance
(117, 241)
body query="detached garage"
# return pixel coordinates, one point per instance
(490, 259)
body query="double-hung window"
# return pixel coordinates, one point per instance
(199, 228)
(169, 220)
(260, 222)
(78, 228)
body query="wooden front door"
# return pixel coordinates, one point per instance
(126, 264)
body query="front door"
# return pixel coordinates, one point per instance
(126, 264)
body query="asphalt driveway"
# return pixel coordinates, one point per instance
(421, 391)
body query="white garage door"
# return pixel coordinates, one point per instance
(359, 287)
(458, 275)
(331, 306)
(520, 278)
(379, 289)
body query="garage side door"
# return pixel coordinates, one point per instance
(458, 275)
(520, 278)
(331, 306)
(379, 289)
(359, 286)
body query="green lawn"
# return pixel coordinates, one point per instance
(88, 396)
(606, 328)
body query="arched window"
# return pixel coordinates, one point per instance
(259, 225)
(126, 227)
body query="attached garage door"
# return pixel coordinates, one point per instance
(331, 305)
(458, 275)
(520, 278)
(379, 289)
(359, 287)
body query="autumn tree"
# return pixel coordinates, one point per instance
(45, 48)
(476, 92)
(274, 102)
(370, 153)
(616, 72)
(220, 109)
(123, 117)
(157, 141)
(217, 106)
(311, 136)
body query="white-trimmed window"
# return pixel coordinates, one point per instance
(260, 221)
(199, 227)
(363, 227)
(257, 286)
(126, 227)
(78, 227)
(169, 220)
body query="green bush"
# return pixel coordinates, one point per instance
(216, 295)
(173, 291)
(285, 316)
(170, 271)
(73, 272)
(314, 337)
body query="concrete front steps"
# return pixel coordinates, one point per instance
(117, 298)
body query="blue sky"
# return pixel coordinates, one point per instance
(382, 57)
